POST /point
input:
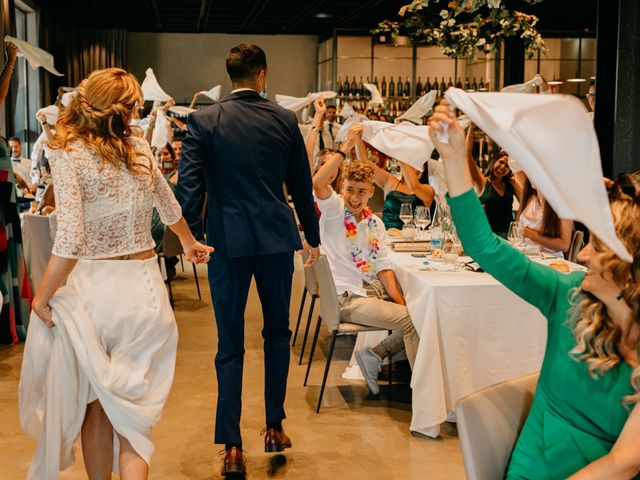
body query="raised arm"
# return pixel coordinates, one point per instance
(7, 71)
(426, 193)
(321, 179)
(312, 136)
(476, 174)
(381, 177)
(535, 283)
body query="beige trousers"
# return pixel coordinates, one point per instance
(378, 310)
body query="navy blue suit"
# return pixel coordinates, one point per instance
(241, 151)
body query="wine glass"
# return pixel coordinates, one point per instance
(406, 213)
(515, 234)
(422, 217)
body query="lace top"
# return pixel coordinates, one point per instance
(106, 211)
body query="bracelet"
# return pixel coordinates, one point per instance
(344, 155)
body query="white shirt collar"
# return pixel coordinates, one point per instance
(242, 90)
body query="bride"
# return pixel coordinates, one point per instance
(103, 368)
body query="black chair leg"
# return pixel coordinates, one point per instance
(304, 298)
(306, 328)
(313, 349)
(390, 370)
(182, 263)
(195, 275)
(334, 335)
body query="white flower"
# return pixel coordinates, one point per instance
(494, 3)
(444, 13)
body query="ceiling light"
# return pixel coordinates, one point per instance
(576, 80)
(322, 15)
(555, 82)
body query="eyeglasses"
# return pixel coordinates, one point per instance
(591, 95)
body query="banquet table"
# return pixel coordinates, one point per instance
(474, 333)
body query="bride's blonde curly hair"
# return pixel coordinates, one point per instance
(595, 334)
(100, 114)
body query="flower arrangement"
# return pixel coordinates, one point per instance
(462, 28)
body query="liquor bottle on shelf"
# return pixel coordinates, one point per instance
(383, 90)
(346, 88)
(399, 87)
(467, 85)
(375, 82)
(354, 87)
(340, 90)
(407, 88)
(392, 88)
(481, 86)
(474, 85)
(443, 87)
(459, 83)
(427, 86)
(434, 85)
(419, 88)
(361, 88)
(450, 83)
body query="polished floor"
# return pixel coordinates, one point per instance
(354, 437)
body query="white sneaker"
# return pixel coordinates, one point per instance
(370, 365)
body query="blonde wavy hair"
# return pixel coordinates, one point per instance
(100, 114)
(595, 334)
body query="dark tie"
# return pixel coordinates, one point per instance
(321, 139)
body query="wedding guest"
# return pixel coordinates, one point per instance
(241, 150)
(105, 372)
(21, 165)
(355, 243)
(591, 98)
(14, 282)
(397, 191)
(177, 148)
(496, 190)
(585, 417)
(324, 128)
(542, 224)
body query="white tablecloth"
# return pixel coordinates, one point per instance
(473, 331)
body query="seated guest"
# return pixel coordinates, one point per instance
(354, 241)
(585, 417)
(21, 166)
(177, 148)
(541, 223)
(406, 189)
(496, 190)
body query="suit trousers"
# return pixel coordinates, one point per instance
(229, 280)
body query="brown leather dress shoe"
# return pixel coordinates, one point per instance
(234, 465)
(275, 441)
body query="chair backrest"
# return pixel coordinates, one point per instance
(171, 246)
(577, 242)
(489, 422)
(310, 281)
(329, 306)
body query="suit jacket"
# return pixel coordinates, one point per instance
(242, 150)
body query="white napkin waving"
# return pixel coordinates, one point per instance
(347, 110)
(406, 142)
(182, 111)
(51, 112)
(160, 135)
(555, 143)
(298, 103)
(376, 98)
(151, 89)
(526, 87)
(354, 119)
(36, 56)
(213, 94)
(419, 109)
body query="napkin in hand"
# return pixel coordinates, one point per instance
(151, 89)
(553, 140)
(406, 142)
(36, 56)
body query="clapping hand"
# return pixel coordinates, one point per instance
(198, 253)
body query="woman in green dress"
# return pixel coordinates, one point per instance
(584, 421)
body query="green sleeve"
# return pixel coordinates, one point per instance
(537, 284)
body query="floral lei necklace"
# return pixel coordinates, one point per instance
(365, 265)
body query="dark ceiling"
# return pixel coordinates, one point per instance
(318, 17)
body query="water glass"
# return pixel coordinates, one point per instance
(408, 232)
(437, 238)
(422, 218)
(515, 235)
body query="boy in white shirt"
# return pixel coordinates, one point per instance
(354, 242)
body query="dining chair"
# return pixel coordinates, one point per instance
(311, 288)
(171, 247)
(489, 422)
(330, 315)
(577, 242)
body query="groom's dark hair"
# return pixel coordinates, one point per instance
(245, 61)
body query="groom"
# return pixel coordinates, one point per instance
(241, 151)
